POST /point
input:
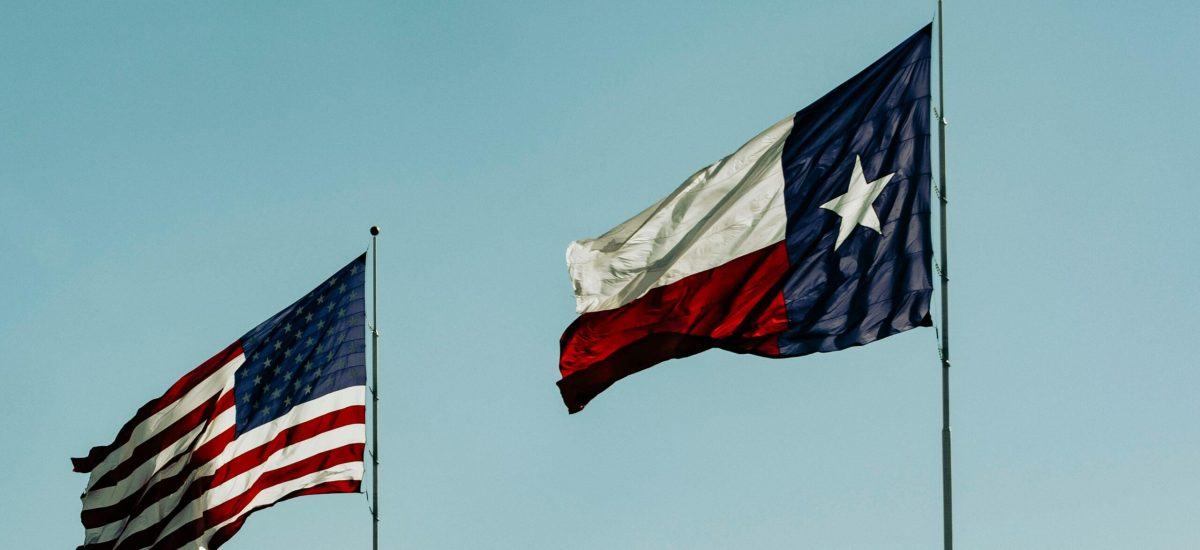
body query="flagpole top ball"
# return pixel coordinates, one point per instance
(374, 230)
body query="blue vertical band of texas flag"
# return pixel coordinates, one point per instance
(313, 347)
(874, 284)
(851, 266)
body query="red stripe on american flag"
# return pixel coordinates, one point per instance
(137, 503)
(245, 462)
(342, 486)
(223, 534)
(107, 545)
(251, 459)
(149, 448)
(181, 387)
(235, 507)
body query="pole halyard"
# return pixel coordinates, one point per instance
(947, 504)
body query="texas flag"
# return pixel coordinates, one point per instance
(813, 236)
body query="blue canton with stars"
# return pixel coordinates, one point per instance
(313, 347)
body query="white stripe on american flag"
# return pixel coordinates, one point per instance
(219, 425)
(169, 512)
(199, 394)
(235, 486)
(263, 434)
(343, 472)
(332, 439)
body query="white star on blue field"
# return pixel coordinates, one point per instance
(854, 206)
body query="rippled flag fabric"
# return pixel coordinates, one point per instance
(278, 414)
(812, 237)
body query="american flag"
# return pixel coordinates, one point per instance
(278, 414)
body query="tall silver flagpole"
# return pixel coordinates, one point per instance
(374, 388)
(947, 505)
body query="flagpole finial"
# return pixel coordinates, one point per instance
(374, 230)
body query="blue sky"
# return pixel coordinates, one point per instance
(173, 174)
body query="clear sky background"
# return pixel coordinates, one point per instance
(172, 174)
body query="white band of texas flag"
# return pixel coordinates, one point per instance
(813, 236)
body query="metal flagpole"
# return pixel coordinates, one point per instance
(947, 507)
(374, 388)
